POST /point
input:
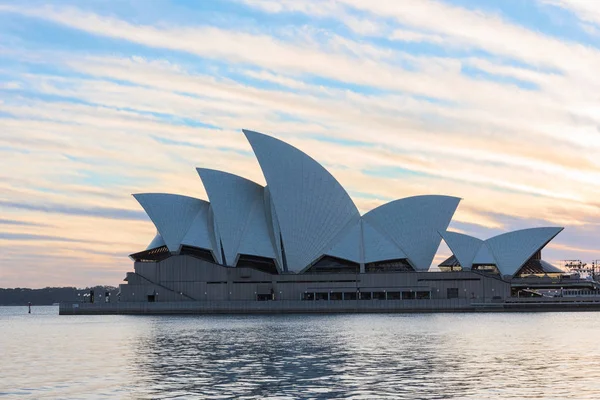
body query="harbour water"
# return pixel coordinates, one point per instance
(425, 356)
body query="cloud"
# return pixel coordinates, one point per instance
(32, 236)
(395, 98)
(4, 221)
(413, 36)
(588, 11)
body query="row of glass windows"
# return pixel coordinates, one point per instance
(404, 295)
(580, 293)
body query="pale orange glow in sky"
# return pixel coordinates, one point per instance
(498, 106)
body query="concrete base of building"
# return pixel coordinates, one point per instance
(328, 307)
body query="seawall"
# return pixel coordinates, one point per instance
(325, 307)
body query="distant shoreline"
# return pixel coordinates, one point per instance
(48, 296)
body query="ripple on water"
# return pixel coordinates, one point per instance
(435, 356)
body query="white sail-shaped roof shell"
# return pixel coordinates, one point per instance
(414, 224)
(508, 251)
(257, 238)
(512, 249)
(214, 236)
(378, 246)
(550, 269)
(464, 247)
(312, 207)
(362, 243)
(484, 256)
(201, 233)
(156, 242)
(239, 210)
(349, 244)
(304, 213)
(172, 215)
(273, 225)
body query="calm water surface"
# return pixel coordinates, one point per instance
(439, 356)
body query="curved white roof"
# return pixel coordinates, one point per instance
(348, 246)
(238, 207)
(484, 257)
(201, 232)
(257, 238)
(508, 251)
(549, 268)
(362, 243)
(172, 214)
(156, 242)
(512, 249)
(464, 247)
(413, 224)
(273, 224)
(379, 247)
(312, 207)
(304, 213)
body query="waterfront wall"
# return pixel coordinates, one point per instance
(267, 307)
(354, 306)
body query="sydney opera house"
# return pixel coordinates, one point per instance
(300, 240)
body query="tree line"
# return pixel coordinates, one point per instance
(50, 295)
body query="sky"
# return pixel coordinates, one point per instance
(496, 102)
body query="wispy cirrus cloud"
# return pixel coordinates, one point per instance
(101, 212)
(588, 11)
(4, 221)
(31, 236)
(395, 98)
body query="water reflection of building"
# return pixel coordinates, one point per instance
(302, 238)
(317, 356)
